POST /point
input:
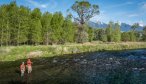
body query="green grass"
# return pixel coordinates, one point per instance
(13, 53)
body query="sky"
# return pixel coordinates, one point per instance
(122, 11)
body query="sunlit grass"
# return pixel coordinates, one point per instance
(13, 53)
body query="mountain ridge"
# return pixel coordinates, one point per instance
(124, 26)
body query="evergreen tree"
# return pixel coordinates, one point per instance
(46, 27)
(134, 26)
(102, 35)
(68, 31)
(8, 27)
(125, 36)
(13, 22)
(116, 33)
(144, 34)
(133, 31)
(91, 34)
(2, 13)
(96, 34)
(23, 25)
(35, 34)
(138, 36)
(132, 36)
(109, 32)
(56, 25)
(20, 25)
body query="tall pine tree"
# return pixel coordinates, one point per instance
(35, 34)
(46, 27)
(109, 32)
(68, 31)
(56, 25)
(116, 33)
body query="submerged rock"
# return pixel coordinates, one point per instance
(55, 61)
(131, 57)
(84, 61)
(110, 58)
(76, 60)
(117, 62)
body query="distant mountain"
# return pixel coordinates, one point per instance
(97, 25)
(127, 27)
(124, 26)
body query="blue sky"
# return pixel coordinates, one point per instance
(127, 11)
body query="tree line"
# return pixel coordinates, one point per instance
(21, 26)
(113, 33)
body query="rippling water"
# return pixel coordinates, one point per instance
(108, 67)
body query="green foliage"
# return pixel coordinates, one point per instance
(56, 25)
(133, 31)
(81, 34)
(129, 36)
(35, 32)
(36, 14)
(134, 26)
(144, 34)
(20, 25)
(125, 36)
(91, 34)
(132, 36)
(68, 31)
(109, 32)
(36, 27)
(101, 35)
(23, 25)
(3, 26)
(46, 27)
(85, 11)
(116, 33)
(13, 22)
(138, 35)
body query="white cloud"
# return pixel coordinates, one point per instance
(144, 6)
(120, 5)
(141, 23)
(133, 15)
(36, 4)
(102, 17)
(50, 4)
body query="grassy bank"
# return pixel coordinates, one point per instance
(13, 53)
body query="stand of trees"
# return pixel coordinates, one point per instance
(21, 26)
(111, 34)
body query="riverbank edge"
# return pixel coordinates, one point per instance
(13, 53)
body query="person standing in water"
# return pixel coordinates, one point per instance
(29, 66)
(22, 69)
